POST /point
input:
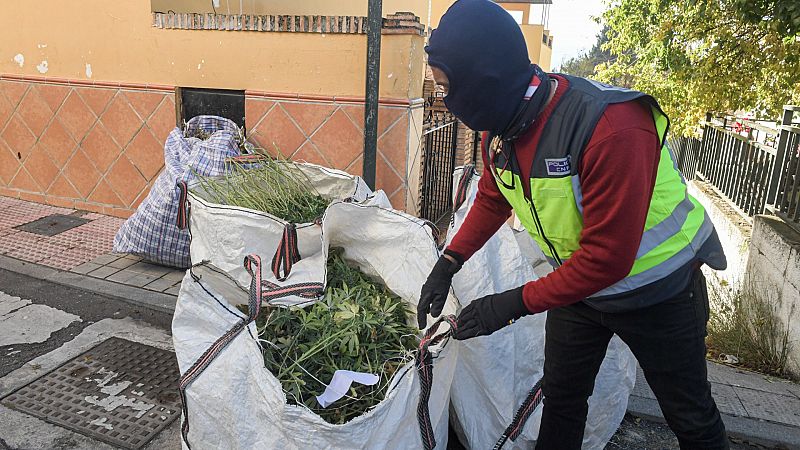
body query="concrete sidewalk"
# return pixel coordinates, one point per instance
(756, 408)
(74, 248)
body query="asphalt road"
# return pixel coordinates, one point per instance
(639, 434)
(90, 307)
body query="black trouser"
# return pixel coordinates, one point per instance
(667, 339)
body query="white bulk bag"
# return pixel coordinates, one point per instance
(223, 235)
(234, 402)
(496, 373)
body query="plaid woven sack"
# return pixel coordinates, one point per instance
(151, 232)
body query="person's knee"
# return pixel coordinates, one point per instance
(563, 397)
(568, 390)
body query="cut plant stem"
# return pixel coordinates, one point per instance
(277, 187)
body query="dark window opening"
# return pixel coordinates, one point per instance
(193, 102)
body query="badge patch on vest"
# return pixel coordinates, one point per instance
(558, 166)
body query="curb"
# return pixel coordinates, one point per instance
(129, 294)
(755, 431)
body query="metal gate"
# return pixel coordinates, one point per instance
(440, 137)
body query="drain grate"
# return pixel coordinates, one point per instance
(119, 392)
(52, 225)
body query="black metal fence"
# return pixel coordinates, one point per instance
(686, 151)
(738, 166)
(438, 163)
(787, 182)
(755, 166)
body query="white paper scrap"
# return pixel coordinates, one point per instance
(340, 384)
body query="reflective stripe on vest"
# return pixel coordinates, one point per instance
(675, 228)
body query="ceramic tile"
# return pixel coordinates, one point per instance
(100, 148)
(121, 121)
(53, 94)
(308, 153)
(339, 140)
(58, 143)
(96, 98)
(14, 90)
(146, 153)
(9, 164)
(23, 181)
(76, 116)
(144, 102)
(6, 109)
(18, 137)
(35, 112)
(254, 111)
(126, 181)
(162, 122)
(81, 173)
(308, 116)
(276, 131)
(41, 168)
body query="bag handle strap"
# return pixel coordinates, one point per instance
(524, 412)
(287, 254)
(252, 264)
(463, 186)
(311, 291)
(424, 365)
(182, 221)
(251, 158)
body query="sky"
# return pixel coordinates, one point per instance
(572, 27)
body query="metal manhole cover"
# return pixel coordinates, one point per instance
(119, 392)
(52, 225)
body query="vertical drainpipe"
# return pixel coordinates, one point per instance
(374, 25)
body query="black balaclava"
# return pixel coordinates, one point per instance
(481, 49)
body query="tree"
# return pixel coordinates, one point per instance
(586, 64)
(696, 56)
(782, 16)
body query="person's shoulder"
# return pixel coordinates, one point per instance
(621, 117)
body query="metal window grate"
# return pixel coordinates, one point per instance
(440, 137)
(441, 142)
(120, 392)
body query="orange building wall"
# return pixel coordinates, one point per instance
(84, 116)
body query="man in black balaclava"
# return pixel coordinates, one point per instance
(586, 169)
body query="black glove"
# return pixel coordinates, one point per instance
(486, 315)
(434, 291)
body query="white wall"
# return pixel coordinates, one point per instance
(774, 269)
(763, 254)
(734, 230)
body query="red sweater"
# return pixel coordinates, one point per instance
(617, 172)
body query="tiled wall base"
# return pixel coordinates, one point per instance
(92, 148)
(100, 147)
(331, 134)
